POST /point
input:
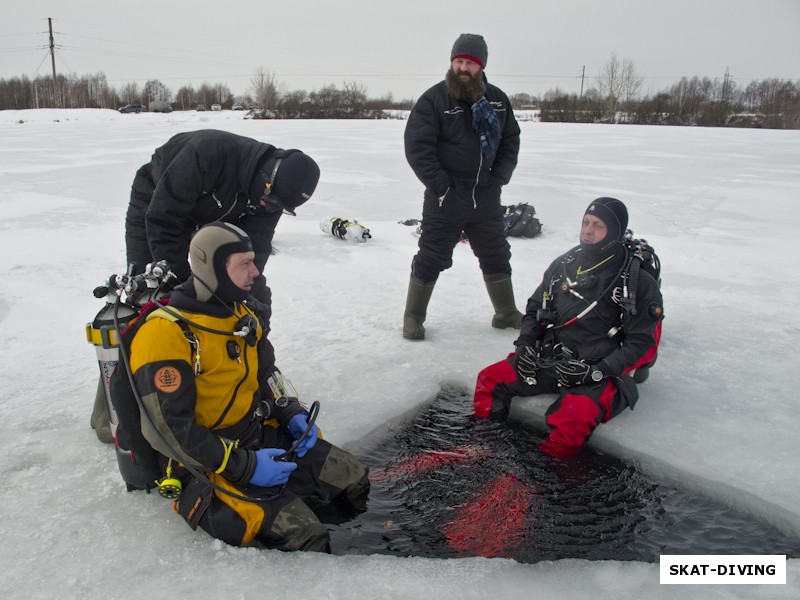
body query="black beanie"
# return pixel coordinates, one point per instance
(613, 213)
(471, 46)
(208, 253)
(291, 184)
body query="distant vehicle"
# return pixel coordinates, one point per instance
(201, 107)
(160, 106)
(237, 107)
(745, 120)
(216, 107)
(133, 108)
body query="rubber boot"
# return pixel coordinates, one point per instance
(419, 294)
(501, 293)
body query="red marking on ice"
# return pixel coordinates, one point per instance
(427, 460)
(491, 524)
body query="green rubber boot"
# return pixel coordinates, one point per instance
(501, 293)
(419, 294)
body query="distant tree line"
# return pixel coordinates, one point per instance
(614, 96)
(330, 102)
(265, 96)
(769, 103)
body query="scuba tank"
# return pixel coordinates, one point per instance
(124, 296)
(346, 230)
(104, 335)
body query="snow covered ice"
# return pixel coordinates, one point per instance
(718, 412)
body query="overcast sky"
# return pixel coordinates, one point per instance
(400, 47)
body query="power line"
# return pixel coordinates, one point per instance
(180, 56)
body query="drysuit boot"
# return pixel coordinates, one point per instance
(419, 294)
(501, 293)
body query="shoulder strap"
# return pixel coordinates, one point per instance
(641, 255)
(174, 316)
(630, 286)
(171, 315)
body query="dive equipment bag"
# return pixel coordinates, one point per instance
(521, 221)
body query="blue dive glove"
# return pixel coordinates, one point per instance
(296, 426)
(270, 472)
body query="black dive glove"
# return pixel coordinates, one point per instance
(527, 364)
(571, 373)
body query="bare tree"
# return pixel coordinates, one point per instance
(264, 88)
(104, 95)
(618, 82)
(294, 105)
(632, 80)
(326, 102)
(206, 94)
(157, 91)
(17, 93)
(186, 97)
(130, 93)
(223, 95)
(354, 97)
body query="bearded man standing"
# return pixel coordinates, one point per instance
(462, 141)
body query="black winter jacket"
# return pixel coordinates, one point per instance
(588, 338)
(195, 178)
(443, 149)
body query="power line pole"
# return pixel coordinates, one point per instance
(56, 102)
(583, 72)
(726, 84)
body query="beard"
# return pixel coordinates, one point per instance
(470, 89)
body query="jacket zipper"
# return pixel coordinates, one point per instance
(220, 205)
(477, 181)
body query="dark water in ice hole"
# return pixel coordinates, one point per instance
(444, 485)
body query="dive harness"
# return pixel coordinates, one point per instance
(169, 486)
(638, 254)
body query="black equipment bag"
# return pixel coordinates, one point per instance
(521, 221)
